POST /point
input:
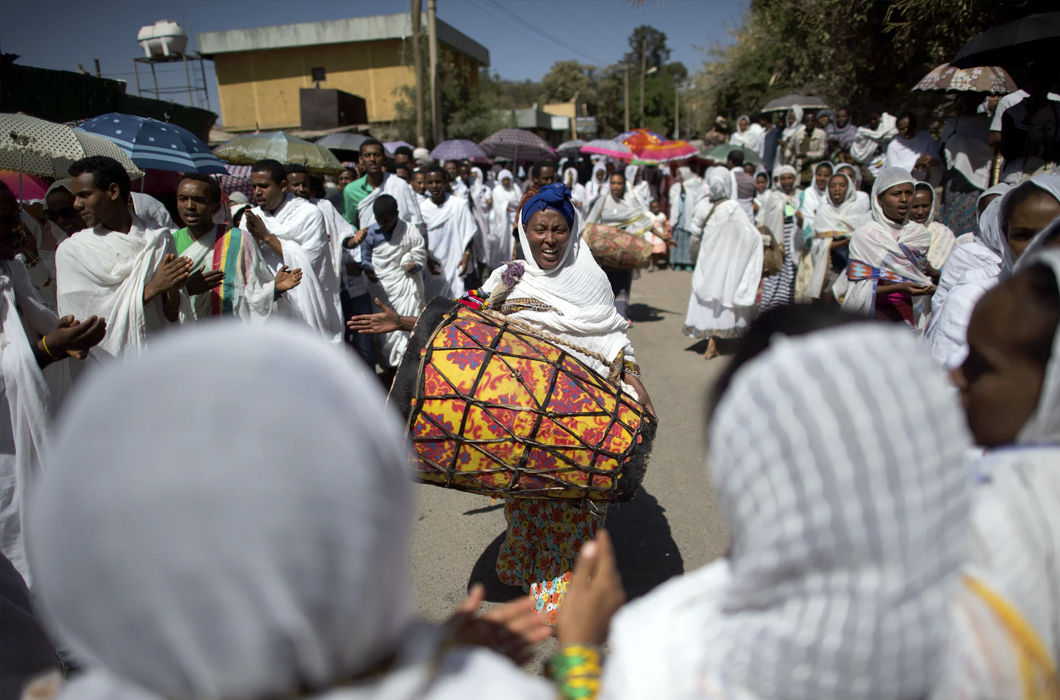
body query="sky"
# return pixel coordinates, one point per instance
(524, 38)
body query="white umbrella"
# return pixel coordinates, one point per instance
(48, 149)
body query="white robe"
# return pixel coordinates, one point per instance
(255, 301)
(304, 240)
(502, 220)
(728, 270)
(102, 273)
(152, 211)
(408, 203)
(398, 289)
(25, 410)
(451, 228)
(339, 230)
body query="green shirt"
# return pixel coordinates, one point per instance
(182, 238)
(352, 196)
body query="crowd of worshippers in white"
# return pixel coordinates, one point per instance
(868, 559)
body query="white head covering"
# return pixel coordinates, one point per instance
(990, 220)
(1050, 184)
(855, 172)
(782, 170)
(838, 461)
(847, 216)
(570, 177)
(64, 184)
(920, 186)
(885, 180)
(224, 546)
(1043, 427)
(718, 184)
(505, 173)
(790, 130)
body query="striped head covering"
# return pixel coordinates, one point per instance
(838, 463)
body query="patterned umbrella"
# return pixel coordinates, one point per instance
(155, 144)
(236, 179)
(247, 149)
(572, 145)
(992, 79)
(48, 149)
(648, 146)
(515, 144)
(31, 186)
(458, 149)
(608, 147)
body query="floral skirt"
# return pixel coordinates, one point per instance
(542, 541)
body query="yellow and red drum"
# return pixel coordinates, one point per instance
(492, 408)
(617, 248)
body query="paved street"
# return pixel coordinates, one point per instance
(671, 526)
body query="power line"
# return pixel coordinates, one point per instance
(528, 25)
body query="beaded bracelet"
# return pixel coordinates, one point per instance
(575, 669)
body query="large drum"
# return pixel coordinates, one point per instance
(492, 408)
(616, 248)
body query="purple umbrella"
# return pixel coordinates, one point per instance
(392, 146)
(515, 144)
(458, 149)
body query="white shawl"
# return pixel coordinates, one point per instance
(408, 204)
(400, 290)
(594, 189)
(1048, 182)
(579, 294)
(832, 222)
(451, 228)
(304, 240)
(685, 194)
(102, 273)
(247, 555)
(878, 244)
(25, 433)
(868, 142)
(729, 265)
(502, 220)
(838, 463)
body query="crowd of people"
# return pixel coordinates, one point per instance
(893, 530)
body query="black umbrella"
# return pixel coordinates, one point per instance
(1012, 43)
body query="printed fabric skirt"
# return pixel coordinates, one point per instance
(539, 549)
(779, 289)
(959, 201)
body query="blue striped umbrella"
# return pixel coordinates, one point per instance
(155, 144)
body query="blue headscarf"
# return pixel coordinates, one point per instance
(555, 196)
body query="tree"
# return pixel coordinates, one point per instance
(569, 78)
(658, 52)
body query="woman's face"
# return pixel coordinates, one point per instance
(921, 206)
(837, 189)
(787, 182)
(1001, 380)
(1028, 218)
(821, 176)
(761, 182)
(547, 232)
(601, 174)
(618, 186)
(791, 119)
(896, 200)
(744, 124)
(506, 182)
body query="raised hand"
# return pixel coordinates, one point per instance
(511, 629)
(73, 338)
(287, 279)
(593, 597)
(200, 282)
(386, 321)
(255, 225)
(171, 275)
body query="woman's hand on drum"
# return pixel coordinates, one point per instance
(642, 393)
(385, 321)
(593, 596)
(512, 629)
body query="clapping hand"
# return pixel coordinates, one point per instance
(255, 225)
(200, 282)
(287, 279)
(74, 338)
(511, 629)
(386, 321)
(593, 596)
(171, 275)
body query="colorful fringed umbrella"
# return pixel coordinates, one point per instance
(648, 146)
(608, 147)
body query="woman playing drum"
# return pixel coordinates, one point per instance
(562, 293)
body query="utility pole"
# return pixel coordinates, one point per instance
(626, 83)
(574, 118)
(417, 63)
(643, 71)
(677, 111)
(432, 48)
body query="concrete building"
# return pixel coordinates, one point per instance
(260, 72)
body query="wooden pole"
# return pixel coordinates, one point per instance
(677, 111)
(626, 83)
(432, 48)
(417, 63)
(643, 71)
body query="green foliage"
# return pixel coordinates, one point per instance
(569, 78)
(845, 51)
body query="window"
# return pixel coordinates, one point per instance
(319, 75)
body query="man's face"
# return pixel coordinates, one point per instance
(194, 205)
(906, 128)
(346, 177)
(436, 186)
(298, 185)
(268, 193)
(451, 170)
(842, 118)
(401, 158)
(388, 222)
(822, 121)
(465, 171)
(93, 204)
(546, 176)
(402, 171)
(371, 160)
(419, 184)
(60, 210)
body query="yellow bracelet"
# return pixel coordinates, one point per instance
(44, 342)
